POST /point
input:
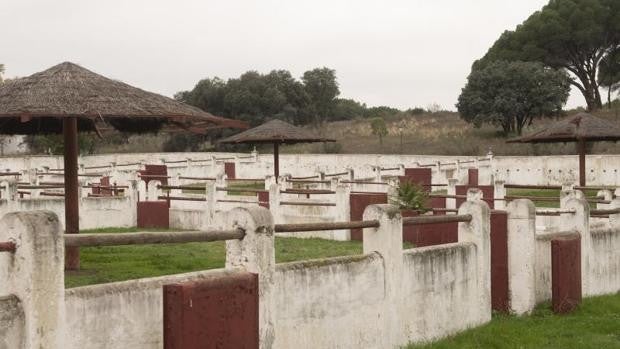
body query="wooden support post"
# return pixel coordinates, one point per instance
(72, 208)
(276, 160)
(581, 149)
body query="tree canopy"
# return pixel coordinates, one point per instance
(512, 94)
(609, 73)
(379, 128)
(569, 34)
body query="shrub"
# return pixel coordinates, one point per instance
(411, 196)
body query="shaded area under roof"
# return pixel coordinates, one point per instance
(37, 104)
(275, 131)
(582, 126)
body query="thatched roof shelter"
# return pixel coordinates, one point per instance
(276, 132)
(579, 128)
(36, 104)
(67, 98)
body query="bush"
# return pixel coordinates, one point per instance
(411, 196)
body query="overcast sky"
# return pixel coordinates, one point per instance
(399, 53)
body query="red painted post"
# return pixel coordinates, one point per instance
(72, 208)
(221, 312)
(263, 198)
(499, 261)
(153, 214)
(7, 247)
(358, 203)
(229, 170)
(420, 176)
(565, 274)
(472, 177)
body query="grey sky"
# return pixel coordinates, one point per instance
(398, 53)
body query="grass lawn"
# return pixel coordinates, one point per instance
(117, 263)
(596, 324)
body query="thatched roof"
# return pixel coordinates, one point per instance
(581, 126)
(275, 131)
(37, 103)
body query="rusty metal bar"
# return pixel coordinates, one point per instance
(3, 174)
(557, 235)
(441, 209)
(8, 247)
(52, 183)
(293, 228)
(448, 196)
(484, 159)
(222, 159)
(297, 203)
(304, 181)
(365, 182)
(554, 212)
(578, 187)
(51, 194)
(418, 220)
(152, 238)
(427, 165)
(308, 177)
(199, 178)
(604, 211)
(62, 174)
(174, 161)
(390, 168)
(467, 162)
(533, 198)
(180, 187)
(110, 187)
(152, 176)
(307, 191)
(246, 180)
(527, 186)
(129, 164)
(40, 187)
(96, 167)
(336, 174)
(434, 185)
(238, 201)
(181, 198)
(239, 190)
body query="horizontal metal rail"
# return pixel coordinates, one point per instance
(199, 178)
(246, 179)
(427, 165)
(62, 174)
(605, 211)
(152, 176)
(298, 203)
(307, 191)
(8, 246)
(467, 161)
(239, 190)
(305, 181)
(528, 186)
(4, 174)
(337, 174)
(484, 159)
(96, 167)
(418, 220)
(293, 228)
(554, 212)
(558, 235)
(533, 198)
(83, 240)
(389, 168)
(222, 159)
(364, 182)
(129, 164)
(180, 187)
(434, 185)
(52, 194)
(181, 198)
(40, 186)
(238, 201)
(174, 161)
(369, 192)
(110, 187)
(308, 177)
(448, 196)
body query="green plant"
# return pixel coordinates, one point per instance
(411, 196)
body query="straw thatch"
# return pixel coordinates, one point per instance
(581, 126)
(275, 131)
(37, 103)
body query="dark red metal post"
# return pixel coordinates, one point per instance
(581, 149)
(7, 247)
(276, 160)
(72, 208)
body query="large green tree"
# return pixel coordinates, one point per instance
(609, 73)
(569, 34)
(322, 87)
(512, 94)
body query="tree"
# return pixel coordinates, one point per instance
(512, 94)
(609, 73)
(321, 86)
(566, 34)
(379, 128)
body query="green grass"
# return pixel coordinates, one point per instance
(596, 324)
(118, 263)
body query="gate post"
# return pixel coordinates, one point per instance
(580, 222)
(255, 253)
(521, 255)
(34, 273)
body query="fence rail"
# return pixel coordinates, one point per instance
(198, 178)
(419, 220)
(528, 186)
(307, 191)
(82, 240)
(7, 246)
(294, 228)
(181, 198)
(299, 203)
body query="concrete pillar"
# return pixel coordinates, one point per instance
(478, 231)
(152, 190)
(499, 193)
(521, 255)
(333, 183)
(274, 203)
(34, 274)
(604, 195)
(566, 195)
(614, 219)
(579, 221)
(220, 182)
(255, 253)
(342, 211)
(254, 155)
(211, 203)
(269, 180)
(350, 174)
(377, 171)
(387, 240)
(451, 202)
